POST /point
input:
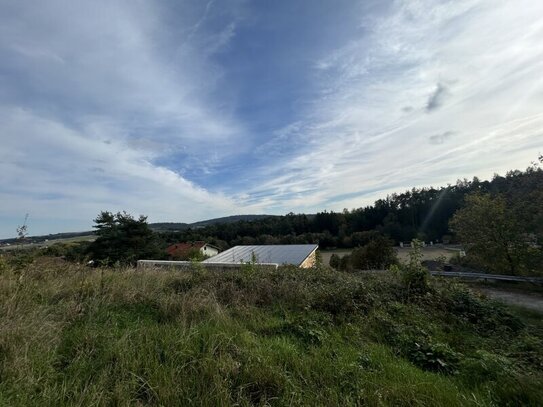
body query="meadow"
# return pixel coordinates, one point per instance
(78, 336)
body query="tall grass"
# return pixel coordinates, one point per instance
(76, 336)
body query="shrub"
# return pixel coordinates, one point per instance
(487, 315)
(432, 356)
(345, 263)
(414, 274)
(377, 254)
(335, 261)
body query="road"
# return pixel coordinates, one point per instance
(531, 301)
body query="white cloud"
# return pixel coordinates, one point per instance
(371, 131)
(94, 94)
(95, 98)
(58, 172)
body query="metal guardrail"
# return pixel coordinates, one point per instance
(483, 276)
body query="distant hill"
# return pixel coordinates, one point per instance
(174, 226)
(44, 238)
(157, 227)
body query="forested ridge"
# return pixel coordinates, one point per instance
(422, 213)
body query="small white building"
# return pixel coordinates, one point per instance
(182, 250)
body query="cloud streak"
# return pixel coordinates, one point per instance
(361, 145)
(437, 98)
(189, 110)
(440, 138)
(95, 96)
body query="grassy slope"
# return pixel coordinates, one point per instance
(73, 336)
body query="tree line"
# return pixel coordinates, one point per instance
(420, 213)
(499, 222)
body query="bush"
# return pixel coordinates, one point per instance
(414, 274)
(487, 315)
(335, 261)
(438, 357)
(345, 263)
(484, 366)
(378, 254)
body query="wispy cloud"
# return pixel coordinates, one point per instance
(440, 138)
(189, 110)
(367, 135)
(93, 96)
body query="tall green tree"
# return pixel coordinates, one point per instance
(492, 236)
(123, 239)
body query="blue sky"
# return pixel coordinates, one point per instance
(188, 110)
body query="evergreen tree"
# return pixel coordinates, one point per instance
(123, 239)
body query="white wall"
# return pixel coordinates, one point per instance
(209, 251)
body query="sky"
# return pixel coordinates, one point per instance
(190, 110)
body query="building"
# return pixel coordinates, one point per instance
(184, 250)
(301, 255)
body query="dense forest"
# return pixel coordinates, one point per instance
(422, 213)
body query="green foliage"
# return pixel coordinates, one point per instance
(402, 217)
(334, 261)
(56, 250)
(493, 236)
(414, 275)
(195, 255)
(377, 254)
(437, 357)
(345, 263)
(74, 336)
(487, 315)
(76, 251)
(123, 239)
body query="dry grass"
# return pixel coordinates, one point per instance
(77, 336)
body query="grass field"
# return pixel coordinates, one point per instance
(77, 336)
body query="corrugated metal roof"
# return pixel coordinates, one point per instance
(280, 254)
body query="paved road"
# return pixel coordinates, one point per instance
(532, 301)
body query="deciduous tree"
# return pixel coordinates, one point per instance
(490, 234)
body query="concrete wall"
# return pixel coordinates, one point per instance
(209, 251)
(310, 261)
(190, 266)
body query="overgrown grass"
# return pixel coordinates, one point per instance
(76, 336)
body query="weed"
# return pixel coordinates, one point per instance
(77, 336)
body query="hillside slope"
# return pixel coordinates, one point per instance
(117, 337)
